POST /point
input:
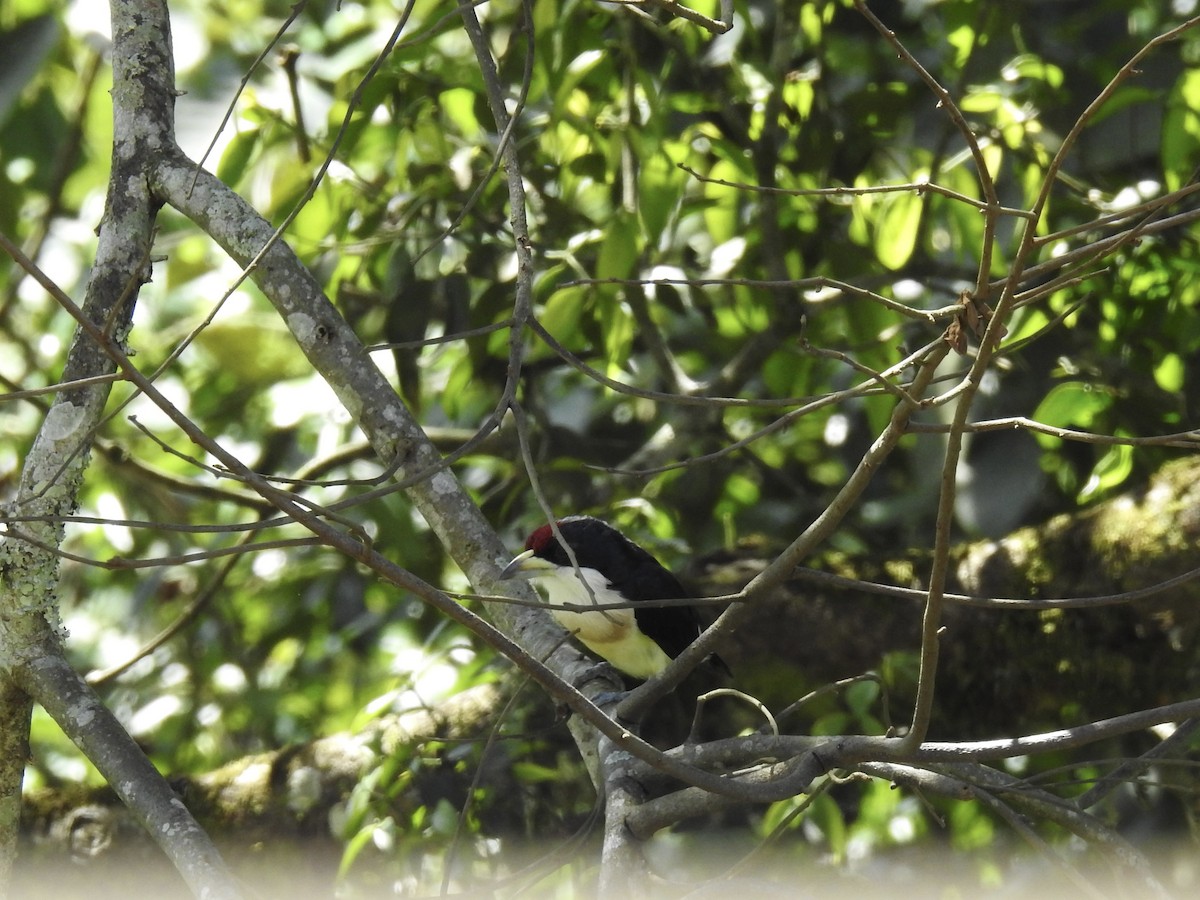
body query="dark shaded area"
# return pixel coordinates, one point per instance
(1002, 672)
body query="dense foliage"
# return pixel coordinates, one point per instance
(719, 282)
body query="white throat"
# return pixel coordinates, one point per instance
(612, 633)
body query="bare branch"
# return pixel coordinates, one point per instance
(1029, 603)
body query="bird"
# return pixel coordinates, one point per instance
(614, 570)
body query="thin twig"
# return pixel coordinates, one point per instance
(841, 582)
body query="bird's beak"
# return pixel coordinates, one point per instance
(524, 566)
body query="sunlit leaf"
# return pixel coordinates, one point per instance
(1073, 404)
(826, 814)
(721, 215)
(970, 829)
(1170, 372)
(458, 104)
(255, 347)
(618, 250)
(896, 233)
(1110, 472)
(1181, 130)
(237, 156)
(562, 314)
(660, 185)
(1029, 66)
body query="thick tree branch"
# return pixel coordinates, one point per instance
(32, 656)
(159, 810)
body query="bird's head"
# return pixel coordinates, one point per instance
(595, 544)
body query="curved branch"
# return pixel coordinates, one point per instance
(32, 657)
(95, 730)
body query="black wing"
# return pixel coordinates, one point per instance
(638, 576)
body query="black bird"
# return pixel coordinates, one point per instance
(639, 642)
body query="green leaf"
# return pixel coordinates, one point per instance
(742, 490)
(828, 816)
(970, 827)
(255, 347)
(358, 843)
(1181, 130)
(862, 696)
(1170, 372)
(237, 156)
(982, 101)
(1034, 68)
(720, 217)
(962, 39)
(1073, 404)
(561, 317)
(616, 322)
(461, 377)
(1025, 324)
(533, 773)
(619, 250)
(831, 723)
(776, 814)
(660, 189)
(896, 234)
(1109, 473)
(458, 106)
(578, 69)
